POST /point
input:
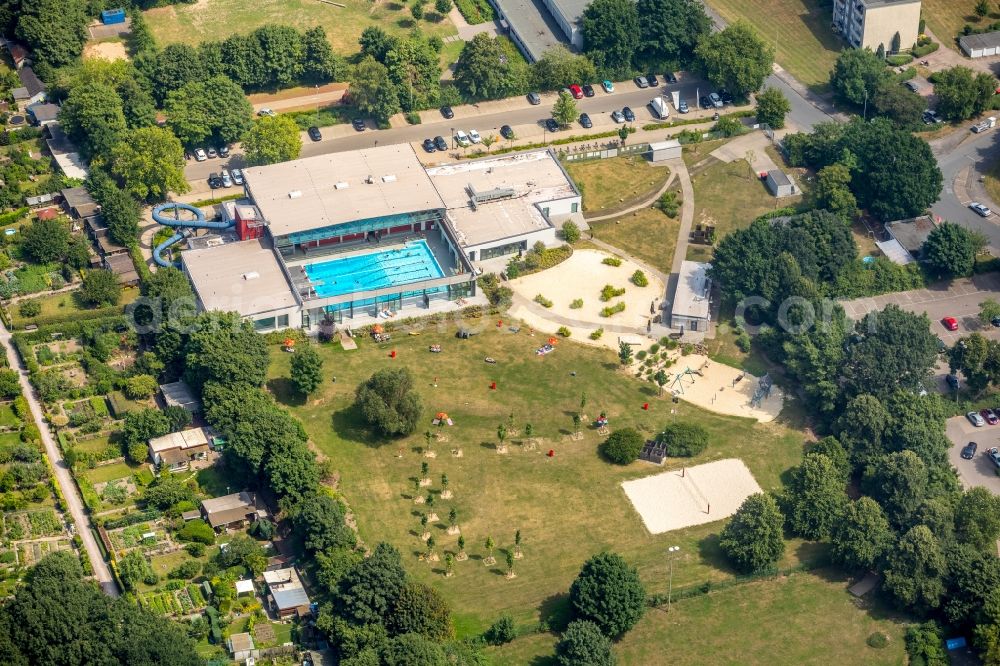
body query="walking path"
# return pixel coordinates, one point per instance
(63, 477)
(687, 219)
(60, 290)
(645, 203)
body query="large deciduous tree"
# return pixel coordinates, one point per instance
(100, 287)
(372, 90)
(950, 250)
(176, 66)
(915, 571)
(45, 241)
(611, 36)
(977, 518)
(862, 536)
(857, 75)
(486, 70)
(814, 498)
(54, 30)
(899, 482)
(583, 644)
(368, 593)
(306, 370)
(669, 31)
(225, 349)
(896, 350)
(271, 140)
(736, 58)
(150, 164)
(120, 210)
(564, 110)
(832, 191)
(899, 104)
(92, 116)
(753, 538)
(214, 110)
(607, 592)
(961, 93)
(558, 66)
(388, 402)
(282, 54)
(319, 522)
(321, 64)
(772, 107)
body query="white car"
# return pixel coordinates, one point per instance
(199, 155)
(462, 138)
(474, 136)
(227, 180)
(617, 116)
(238, 176)
(980, 209)
(976, 419)
(266, 112)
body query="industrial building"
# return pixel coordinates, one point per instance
(362, 235)
(874, 23)
(539, 25)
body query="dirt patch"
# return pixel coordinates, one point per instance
(106, 50)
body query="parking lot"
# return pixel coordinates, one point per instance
(979, 471)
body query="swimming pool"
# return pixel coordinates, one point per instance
(402, 265)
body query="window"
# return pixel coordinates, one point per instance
(263, 324)
(283, 321)
(574, 208)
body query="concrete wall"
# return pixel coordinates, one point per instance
(882, 23)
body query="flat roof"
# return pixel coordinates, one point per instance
(986, 40)
(533, 24)
(664, 145)
(179, 394)
(332, 189)
(243, 586)
(529, 179)
(185, 439)
(779, 177)
(244, 277)
(911, 233)
(691, 298)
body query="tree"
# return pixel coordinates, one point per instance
(814, 498)
(166, 492)
(420, 609)
(669, 31)
(319, 522)
(282, 54)
(623, 446)
(321, 64)
(306, 370)
(899, 104)
(45, 241)
(100, 287)
(611, 36)
(557, 66)
(899, 482)
(772, 107)
(915, 570)
(137, 102)
(10, 387)
(175, 66)
(485, 69)
(950, 250)
(224, 348)
(564, 110)
(736, 58)
(857, 74)
(372, 91)
(169, 291)
(414, 69)
(54, 30)
(753, 538)
(624, 353)
(976, 357)
(150, 163)
(961, 93)
(982, 9)
(120, 210)
(93, 117)
(570, 232)
(368, 593)
(833, 192)
(895, 44)
(896, 349)
(214, 110)
(411, 649)
(502, 631)
(140, 387)
(977, 518)
(442, 7)
(388, 402)
(862, 536)
(607, 592)
(133, 569)
(925, 645)
(143, 425)
(583, 644)
(970, 590)
(272, 139)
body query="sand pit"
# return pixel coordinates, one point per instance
(106, 51)
(717, 390)
(692, 496)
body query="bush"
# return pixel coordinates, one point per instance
(877, 640)
(683, 440)
(582, 644)
(502, 631)
(195, 549)
(609, 292)
(596, 335)
(140, 387)
(197, 530)
(669, 204)
(563, 331)
(29, 308)
(611, 261)
(185, 570)
(743, 342)
(613, 310)
(570, 232)
(544, 302)
(576, 304)
(607, 591)
(623, 446)
(639, 279)
(413, 118)
(899, 59)
(920, 50)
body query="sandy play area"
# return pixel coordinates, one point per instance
(106, 50)
(717, 389)
(582, 276)
(692, 495)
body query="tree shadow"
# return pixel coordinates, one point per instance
(406, 23)
(348, 424)
(284, 391)
(488, 445)
(555, 611)
(649, 391)
(393, 6)
(610, 366)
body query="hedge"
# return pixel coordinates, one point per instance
(921, 51)
(74, 315)
(13, 216)
(475, 11)
(695, 121)
(132, 519)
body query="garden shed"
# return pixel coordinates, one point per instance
(665, 150)
(780, 184)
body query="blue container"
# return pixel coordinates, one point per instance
(111, 16)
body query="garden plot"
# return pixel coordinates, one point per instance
(30, 553)
(116, 492)
(691, 496)
(24, 525)
(135, 537)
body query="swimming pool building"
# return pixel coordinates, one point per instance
(351, 235)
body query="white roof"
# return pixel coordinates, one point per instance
(179, 440)
(664, 145)
(340, 187)
(244, 586)
(693, 289)
(244, 277)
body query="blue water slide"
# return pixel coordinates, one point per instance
(184, 226)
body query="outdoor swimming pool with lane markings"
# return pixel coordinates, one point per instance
(398, 266)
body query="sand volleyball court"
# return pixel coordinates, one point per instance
(691, 496)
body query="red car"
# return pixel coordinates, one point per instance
(990, 416)
(577, 91)
(950, 323)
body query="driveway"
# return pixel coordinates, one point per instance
(980, 471)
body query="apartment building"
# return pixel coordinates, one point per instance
(870, 23)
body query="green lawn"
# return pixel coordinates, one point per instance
(946, 18)
(615, 181)
(9, 439)
(567, 507)
(66, 305)
(804, 618)
(647, 234)
(800, 30)
(217, 19)
(8, 417)
(95, 446)
(109, 472)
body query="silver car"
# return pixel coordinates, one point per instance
(237, 176)
(976, 419)
(980, 209)
(227, 180)
(716, 100)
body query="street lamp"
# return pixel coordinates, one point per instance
(670, 587)
(452, 137)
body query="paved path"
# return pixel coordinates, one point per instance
(687, 217)
(63, 477)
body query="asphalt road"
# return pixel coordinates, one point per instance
(979, 471)
(962, 156)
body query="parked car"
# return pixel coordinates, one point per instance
(608, 86)
(315, 134)
(652, 80)
(576, 91)
(976, 419)
(942, 347)
(211, 152)
(617, 116)
(980, 210)
(994, 455)
(585, 121)
(534, 98)
(953, 382)
(641, 81)
(931, 117)
(682, 106)
(996, 322)
(969, 450)
(705, 102)
(912, 86)
(199, 155)
(447, 112)
(715, 100)
(474, 136)
(358, 124)
(462, 139)
(950, 323)
(237, 176)
(507, 132)
(214, 181)
(588, 90)
(551, 125)
(223, 150)
(429, 145)
(670, 77)
(440, 143)
(629, 116)
(266, 112)
(990, 416)
(227, 180)
(726, 96)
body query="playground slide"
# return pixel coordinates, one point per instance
(184, 226)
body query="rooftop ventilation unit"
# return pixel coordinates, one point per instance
(295, 194)
(252, 275)
(370, 180)
(496, 194)
(388, 178)
(340, 186)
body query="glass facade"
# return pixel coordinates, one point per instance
(502, 250)
(351, 231)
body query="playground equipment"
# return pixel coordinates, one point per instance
(677, 386)
(762, 391)
(185, 227)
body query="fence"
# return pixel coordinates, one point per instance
(597, 151)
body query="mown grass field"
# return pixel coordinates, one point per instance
(805, 618)
(615, 181)
(800, 30)
(65, 304)
(567, 507)
(647, 234)
(946, 18)
(214, 20)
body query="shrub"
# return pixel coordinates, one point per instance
(197, 530)
(607, 591)
(899, 59)
(29, 308)
(139, 387)
(563, 331)
(576, 304)
(544, 302)
(639, 279)
(683, 440)
(502, 631)
(195, 549)
(623, 446)
(185, 570)
(611, 261)
(570, 232)
(669, 204)
(596, 335)
(613, 310)
(609, 292)
(413, 118)
(877, 640)
(583, 643)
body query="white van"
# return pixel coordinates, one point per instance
(660, 108)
